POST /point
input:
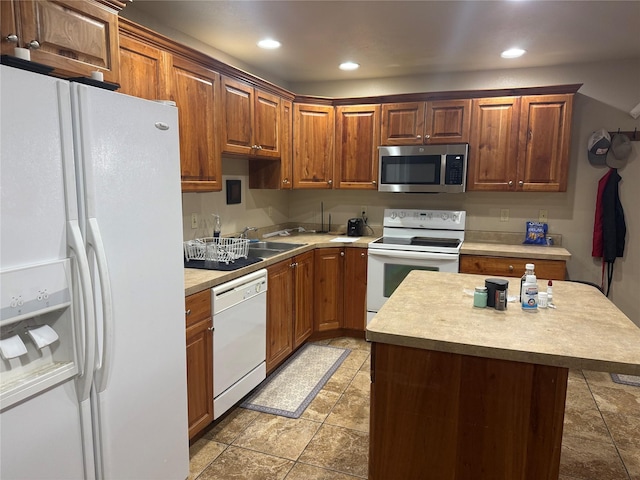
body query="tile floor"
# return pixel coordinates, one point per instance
(330, 440)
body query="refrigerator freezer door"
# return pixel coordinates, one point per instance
(42, 436)
(132, 211)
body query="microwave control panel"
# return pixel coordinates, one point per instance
(454, 174)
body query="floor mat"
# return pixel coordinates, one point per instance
(633, 380)
(293, 386)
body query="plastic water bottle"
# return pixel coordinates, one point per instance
(529, 294)
(528, 270)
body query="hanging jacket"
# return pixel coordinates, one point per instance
(614, 228)
(596, 250)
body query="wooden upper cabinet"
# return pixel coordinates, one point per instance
(493, 148)
(195, 89)
(276, 175)
(402, 123)
(545, 135)
(313, 143)
(75, 37)
(419, 123)
(251, 120)
(448, 121)
(357, 140)
(143, 69)
(520, 143)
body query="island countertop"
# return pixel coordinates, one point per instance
(434, 311)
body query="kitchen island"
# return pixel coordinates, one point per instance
(466, 393)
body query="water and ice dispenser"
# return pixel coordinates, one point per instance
(37, 330)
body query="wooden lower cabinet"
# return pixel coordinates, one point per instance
(328, 288)
(199, 325)
(445, 415)
(355, 289)
(289, 307)
(511, 266)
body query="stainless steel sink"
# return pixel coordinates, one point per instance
(265, 249)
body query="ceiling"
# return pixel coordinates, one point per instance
(401, 38)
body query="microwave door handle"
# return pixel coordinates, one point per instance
(412, 255)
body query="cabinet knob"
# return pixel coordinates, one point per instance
(330, 182)
(342, 254)
(362, 254)
(510, 183)
(34, 45)
(373, 182)
(427, 137)
(211, 328)
(285, 180)
(511, 268)
(188, 312)
(259, 147)
(12, 37)
(521, 183)
(418, 136)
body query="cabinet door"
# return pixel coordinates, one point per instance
(328, 290)
(355, 289)
(448, 121)
(402, 123)
(357, 137)
(142, 69)
(313, 146)
(75, 36)
(545, 135)
(494, 144)
(279, 312)
(303, 311)
(199, 361)
(194, 88)
(237, 114)
(278, 174)
(266, 132)
(9, 26)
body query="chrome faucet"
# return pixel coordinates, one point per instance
(247, 229)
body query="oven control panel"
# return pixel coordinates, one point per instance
(409, 218)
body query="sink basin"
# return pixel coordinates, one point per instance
(265, 249)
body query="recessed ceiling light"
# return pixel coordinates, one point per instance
(513, 53)
(349, 66)
(269, 44)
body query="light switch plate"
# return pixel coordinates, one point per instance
(543, 216)
(504, 215)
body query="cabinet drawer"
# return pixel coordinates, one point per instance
(197, 307)
(511, 266)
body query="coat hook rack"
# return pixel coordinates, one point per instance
(633, 136)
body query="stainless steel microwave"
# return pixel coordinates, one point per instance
(423, 168)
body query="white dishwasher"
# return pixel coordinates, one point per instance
(239, 338)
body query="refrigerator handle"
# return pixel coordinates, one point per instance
(76, 245)
(94, 240)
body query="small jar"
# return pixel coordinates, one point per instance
(480, 297)
(543, 300)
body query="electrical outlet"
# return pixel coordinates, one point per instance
(363, 211)
(543, 216)
(194, 220)
(504, 215)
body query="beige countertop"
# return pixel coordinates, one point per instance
(521, 251)
(196, 280)
(431, 310)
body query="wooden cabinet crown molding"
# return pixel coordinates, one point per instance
(165, 43)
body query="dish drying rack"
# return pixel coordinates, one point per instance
(216, 249)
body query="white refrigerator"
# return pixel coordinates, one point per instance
(92, 336)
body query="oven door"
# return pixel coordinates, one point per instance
(388, 268)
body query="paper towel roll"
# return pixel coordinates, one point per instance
(22, 53)
(635, 111)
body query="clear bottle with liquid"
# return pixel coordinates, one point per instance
(217, 226)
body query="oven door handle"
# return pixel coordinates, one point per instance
(412, 255)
